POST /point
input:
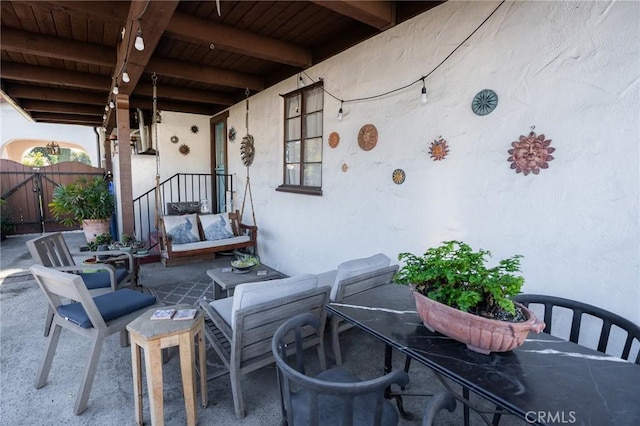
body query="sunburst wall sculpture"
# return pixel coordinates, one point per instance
(530, 153)
(438, 149)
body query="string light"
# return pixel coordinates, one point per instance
(112, 104)
(115, 90)
(106, 107)
(300, 80)
(423, 96)
(139, 43)
(125, 76)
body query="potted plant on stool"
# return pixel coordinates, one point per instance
(85, 201)
(459, 296)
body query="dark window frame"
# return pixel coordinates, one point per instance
(301, 188)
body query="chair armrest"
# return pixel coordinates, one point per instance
(118, 256)
(217, 320)
(253, 229)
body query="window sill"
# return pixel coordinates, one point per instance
(300, 190)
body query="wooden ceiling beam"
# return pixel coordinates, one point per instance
(205, 74)
(169, 105)
(56, 47)
(67, 118)
(184, 94)
(203, 32)
(378, 14)
(52, 94)
(114, 11)
(61, 107)
(36, 74)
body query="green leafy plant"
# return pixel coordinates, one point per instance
(128, 240)
(6, 226)
(457, 276)
(82, 199)
(103, 239)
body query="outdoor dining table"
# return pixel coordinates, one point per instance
(545, 381)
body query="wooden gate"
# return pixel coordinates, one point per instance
(28, 191)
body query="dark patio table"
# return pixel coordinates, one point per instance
(545, 381)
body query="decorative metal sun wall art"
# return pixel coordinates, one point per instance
(484, 102)
(398, 176)
(247, 150)
(530, 153)
(438, 149)
(184, 149)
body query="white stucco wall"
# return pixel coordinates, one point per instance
(571, 69)
(14, 127)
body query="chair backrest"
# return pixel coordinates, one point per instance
(57, 285)
(332, 394)
(355, 267)
(581, 313)
(366, 281)
(50, 250)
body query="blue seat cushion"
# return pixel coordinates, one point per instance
(100, 279)
(111, 306)
(331, 408)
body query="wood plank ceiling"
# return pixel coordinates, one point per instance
(61, 59)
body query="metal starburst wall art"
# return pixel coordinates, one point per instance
(438, 149)
(530, 153)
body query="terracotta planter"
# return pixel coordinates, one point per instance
(480, 334)
(94, 227)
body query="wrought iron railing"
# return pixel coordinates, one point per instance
(181, 187)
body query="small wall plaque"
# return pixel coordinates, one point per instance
(368, 137)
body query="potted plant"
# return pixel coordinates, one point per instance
(85, 201)
(458, 295)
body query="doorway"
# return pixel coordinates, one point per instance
(223, 201)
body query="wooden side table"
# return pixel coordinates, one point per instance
(155, 335)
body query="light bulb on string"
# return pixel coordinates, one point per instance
(139, 43)
(125, 76)
(106, 107)
(423, 95)
(340, 114)
(116, 90)
(301, 80)
(112, 105)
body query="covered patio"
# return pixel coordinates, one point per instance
(111, 401)
(433, 124)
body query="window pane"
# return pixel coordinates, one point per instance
(313, 150)
(292, 175)
(313, 100)
(293, 106)
(313, 174)
(313, 125)
(293, 129)
(293, 152)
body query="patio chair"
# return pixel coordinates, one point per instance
(352, 277)
(333, 397)
(575, 312)
(438, 402)
(240, 327)
(578, 317)
(51, 250)
(94, 318)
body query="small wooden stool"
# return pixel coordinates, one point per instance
(155, 335)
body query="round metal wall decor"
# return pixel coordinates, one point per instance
(484, 102)
(530, 154)
(398, 176)
(368, 137)
(247, 150)
(232, 134)
(334, 139)
(174, 139)
(194, 129)
(184, 149)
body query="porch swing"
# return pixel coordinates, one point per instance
(191, 238)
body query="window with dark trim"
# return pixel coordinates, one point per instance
(302, 169)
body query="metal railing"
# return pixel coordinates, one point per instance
(181, 187)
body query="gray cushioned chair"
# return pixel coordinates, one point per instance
(94, 318)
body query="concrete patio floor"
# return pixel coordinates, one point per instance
(22, 345)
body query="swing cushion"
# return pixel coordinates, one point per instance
(216, 226)
(182, 229)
